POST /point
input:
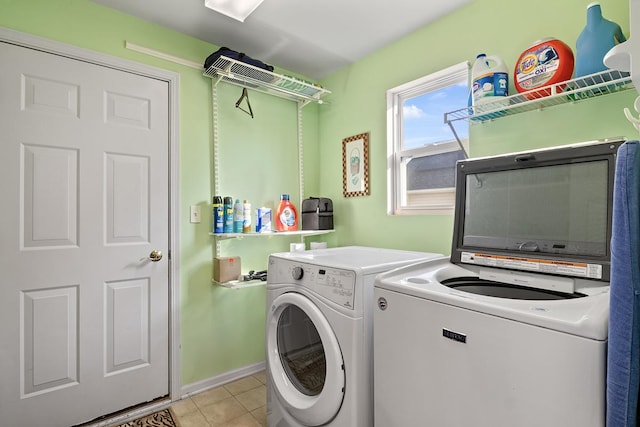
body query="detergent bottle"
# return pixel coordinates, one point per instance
(595, 40)
(286, 215)
(489, 79)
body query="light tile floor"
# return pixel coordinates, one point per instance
(242, 403)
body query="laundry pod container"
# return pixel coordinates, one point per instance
(545, 63)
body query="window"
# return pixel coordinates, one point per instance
(421, 149)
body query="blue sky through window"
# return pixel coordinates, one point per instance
(423, 116)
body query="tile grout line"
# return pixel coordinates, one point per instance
(233, 390)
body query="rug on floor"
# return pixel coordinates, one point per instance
(163, 418)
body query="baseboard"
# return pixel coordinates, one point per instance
(221, 379)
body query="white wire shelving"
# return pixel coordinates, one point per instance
(287, 87)
(241, 284)
(575, 90)
(305, 233)
(261, 80)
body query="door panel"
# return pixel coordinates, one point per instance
(49, 96)
(127, 323)
(127, 110)
(50, 339)
(84, 166)
(49, 196)
(127, 208)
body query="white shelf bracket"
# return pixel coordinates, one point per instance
(635, 121)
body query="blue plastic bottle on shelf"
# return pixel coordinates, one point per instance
(228, 214)
(595, 40)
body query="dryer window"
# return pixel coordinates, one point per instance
(301, 351)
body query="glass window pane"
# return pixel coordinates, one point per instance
(301, 351)
(423, 116)
(433, 171)
(423, 147)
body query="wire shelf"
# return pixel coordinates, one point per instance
(245, 75)
(239, 284)
(239, 236)
(586, 87)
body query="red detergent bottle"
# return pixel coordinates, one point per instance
(286, 215)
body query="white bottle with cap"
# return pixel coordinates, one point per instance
(489, 79)
(246, 217)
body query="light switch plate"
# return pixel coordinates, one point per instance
(195, 214)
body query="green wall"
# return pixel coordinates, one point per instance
(358, 104)
(223, 329)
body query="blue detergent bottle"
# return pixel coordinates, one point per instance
(595, 40)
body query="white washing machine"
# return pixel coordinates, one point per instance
(511, 330)
(319, 334)
(446, 356)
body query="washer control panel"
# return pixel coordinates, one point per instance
(335, 284)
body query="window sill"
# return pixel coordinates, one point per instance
(424, 211)
(428, 202)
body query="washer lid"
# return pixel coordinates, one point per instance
(584, 317)
(304, 360)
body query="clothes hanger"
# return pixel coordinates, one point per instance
(244, 95)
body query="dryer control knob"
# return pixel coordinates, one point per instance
(297, 273)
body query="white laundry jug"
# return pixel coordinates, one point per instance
(489, 79)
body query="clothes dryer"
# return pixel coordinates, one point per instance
(319, 334)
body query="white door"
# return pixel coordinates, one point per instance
(84, 190)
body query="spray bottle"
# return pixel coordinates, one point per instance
(237, 217)
(228, 214)
(218, 215)
(246, 217)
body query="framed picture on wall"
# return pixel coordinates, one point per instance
(355, 165)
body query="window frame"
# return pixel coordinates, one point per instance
(434, 201)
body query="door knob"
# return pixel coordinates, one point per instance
(155, 256)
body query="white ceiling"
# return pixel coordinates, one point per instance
(313, 38)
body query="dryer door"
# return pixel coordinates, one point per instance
(304, 360)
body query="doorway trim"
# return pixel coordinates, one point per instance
(173, 80)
